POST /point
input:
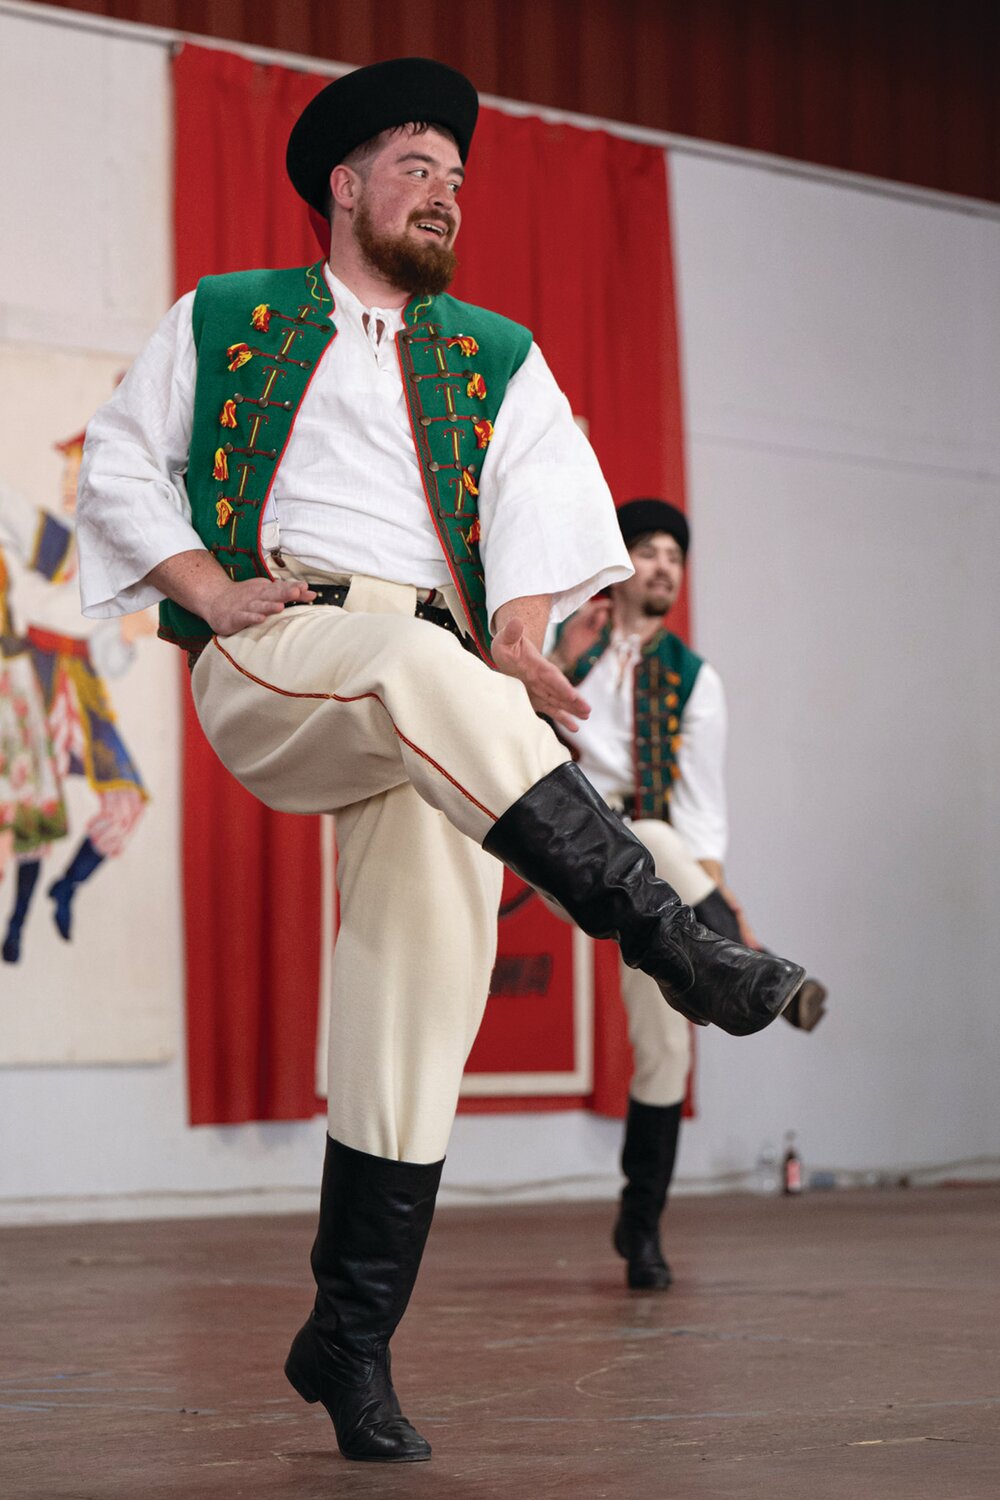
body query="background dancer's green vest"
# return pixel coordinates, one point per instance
(260, 337)
(664, 678)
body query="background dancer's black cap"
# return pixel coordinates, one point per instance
(353, 109)
(641, 517)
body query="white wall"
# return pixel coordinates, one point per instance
(85, 248)
(840, 364)
(842, 369)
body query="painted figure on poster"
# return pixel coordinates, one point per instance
(57, 719)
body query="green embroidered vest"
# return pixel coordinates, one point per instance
(260, 337)
(664, 679)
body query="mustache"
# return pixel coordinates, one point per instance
(432, 218)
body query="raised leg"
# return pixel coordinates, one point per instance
(562, 838)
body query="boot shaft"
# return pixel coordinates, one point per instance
(649, 1152)
(375, 1216)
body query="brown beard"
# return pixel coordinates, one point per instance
(424, 270)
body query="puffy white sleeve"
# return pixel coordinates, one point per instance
(132, 506)
(698, 804)
(547, 517)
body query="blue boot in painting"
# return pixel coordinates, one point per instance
(85, 861)
(27, 875)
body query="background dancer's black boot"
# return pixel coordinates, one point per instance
(716, 913)
(374, 1218)
(648, 1156)
(808, 1005)
(563, 839)
(27, 877)
(83, 864)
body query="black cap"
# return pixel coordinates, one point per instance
(353, 109)
(641, 517)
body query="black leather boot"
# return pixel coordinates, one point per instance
(563, 839)
(648, 1156)
(716, 913)
(807, 1006)
(374, 1219)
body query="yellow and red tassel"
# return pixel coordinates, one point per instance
(476, 387)
(227, 416)
(469, 482)
(466, 344)
(237, 355)
(221, 467)
(483, 429)
(260, 318)
(223, 511)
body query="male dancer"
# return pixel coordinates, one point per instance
(386, 498)
(654, 747)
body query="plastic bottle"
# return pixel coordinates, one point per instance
(791, 1168)
(766, 1170)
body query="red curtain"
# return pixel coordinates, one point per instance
(565, 230)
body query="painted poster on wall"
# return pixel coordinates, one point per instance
(90, 936)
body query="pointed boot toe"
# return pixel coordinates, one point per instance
(716, 982)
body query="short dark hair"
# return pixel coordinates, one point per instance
(642, 537)
(361, 158)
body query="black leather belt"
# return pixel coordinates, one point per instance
(336, 593)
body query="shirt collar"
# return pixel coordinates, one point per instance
(347, 304)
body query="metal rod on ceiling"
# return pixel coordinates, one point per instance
(171, 40)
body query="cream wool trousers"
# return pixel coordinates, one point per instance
(418, 747)
(660, 1035)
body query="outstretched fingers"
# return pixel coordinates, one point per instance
(548, 689)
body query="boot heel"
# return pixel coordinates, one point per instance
(300, 1381)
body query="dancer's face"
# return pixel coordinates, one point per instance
(407, 216)
(659, 572)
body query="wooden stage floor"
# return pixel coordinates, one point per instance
(843, 1345)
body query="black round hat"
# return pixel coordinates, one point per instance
(353, 109)
(640, 517)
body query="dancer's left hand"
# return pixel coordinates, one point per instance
(550, 693)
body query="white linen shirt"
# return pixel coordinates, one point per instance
(604, 743)
(348, 496)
